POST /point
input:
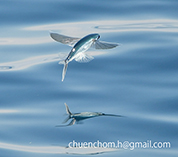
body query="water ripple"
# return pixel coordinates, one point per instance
(114, 25)
(55, 149)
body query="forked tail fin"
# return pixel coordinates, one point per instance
(64, 69)
(67, 110)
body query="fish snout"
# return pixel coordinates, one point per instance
(95, 39)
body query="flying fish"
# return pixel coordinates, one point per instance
(79, 47)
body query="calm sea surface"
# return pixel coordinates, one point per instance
(138, 79)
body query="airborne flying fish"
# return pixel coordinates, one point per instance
(79, 46)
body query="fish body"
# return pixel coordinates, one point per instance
(82, 45)
(85, 115)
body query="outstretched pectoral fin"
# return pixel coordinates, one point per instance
(64, 39)
(83, 58)
(104, 45)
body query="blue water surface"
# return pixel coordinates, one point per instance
(137, 79)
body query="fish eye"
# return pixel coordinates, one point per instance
(98, 36)
(73, 49)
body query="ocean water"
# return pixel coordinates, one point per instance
(137, 79)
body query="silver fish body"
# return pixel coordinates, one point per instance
(82, 45)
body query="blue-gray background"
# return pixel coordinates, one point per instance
(137, 80)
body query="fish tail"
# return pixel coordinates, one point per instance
(64, 69)
(67, 110)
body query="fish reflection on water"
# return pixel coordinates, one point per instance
(77, 117)
(79, 46)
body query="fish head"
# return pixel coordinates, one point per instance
(71, 116)
(100, 114)
(95, 36)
